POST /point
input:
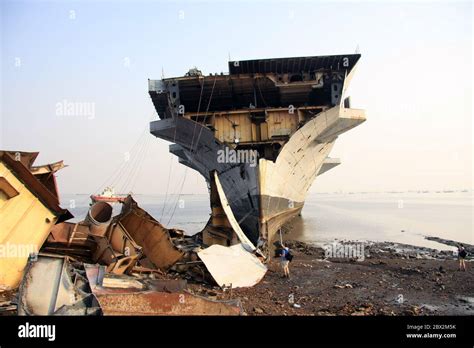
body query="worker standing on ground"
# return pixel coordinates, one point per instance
(284, 253)
(462, 253)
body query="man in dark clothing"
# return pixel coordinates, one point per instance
(282, 253)
(462, 253)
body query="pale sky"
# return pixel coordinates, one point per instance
(414, 80)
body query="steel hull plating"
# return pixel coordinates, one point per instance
(239, 181)
(289, 111)
(265, 196)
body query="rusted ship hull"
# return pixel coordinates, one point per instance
(289, 111)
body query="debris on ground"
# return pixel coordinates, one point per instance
(126, 264)
(130, 264)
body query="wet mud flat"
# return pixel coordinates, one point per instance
(393, 279)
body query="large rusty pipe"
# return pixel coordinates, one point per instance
(99, 217)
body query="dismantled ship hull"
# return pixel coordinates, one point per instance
(288, 112)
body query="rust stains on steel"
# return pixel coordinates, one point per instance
(162, 303)
(120, 242)
(22, 169)
(99, 217)
(152, 236)
(71, 239)
(127, 299)
(123, 265)
(135, 256)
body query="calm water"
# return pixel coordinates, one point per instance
(395, 217)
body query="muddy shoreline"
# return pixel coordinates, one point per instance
(391, 279)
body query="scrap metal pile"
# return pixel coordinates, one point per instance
(127, 264)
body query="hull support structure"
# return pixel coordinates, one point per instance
(266, 135)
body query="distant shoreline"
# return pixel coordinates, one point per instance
(311, 193)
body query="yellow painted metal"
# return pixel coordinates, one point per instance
(25, 223)
(232, 126)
